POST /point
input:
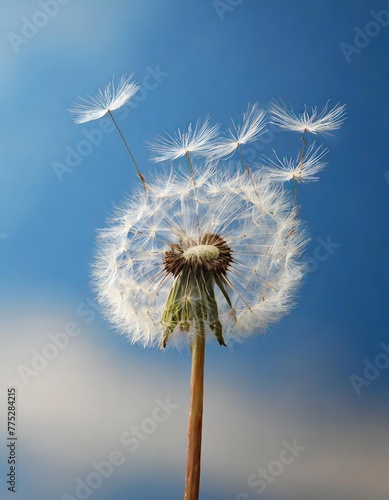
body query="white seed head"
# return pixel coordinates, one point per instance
(248, 130)
(312, 121)
(302, 168)
(223, 255)
(197, 140)
(109, 99)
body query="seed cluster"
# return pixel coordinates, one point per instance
(197, 267)
(175, 261)
(221, 261)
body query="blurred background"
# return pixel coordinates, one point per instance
(297, 414)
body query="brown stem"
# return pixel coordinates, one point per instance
(248, 171)
(301, 166)
(192, 480)
(142, 179)
(194, 189)
(302, 154)
(190, 167)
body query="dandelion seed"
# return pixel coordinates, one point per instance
(163, 274)
(197, 140)
(313, 121)
(106, 100)
(300, 169)
(251, 127)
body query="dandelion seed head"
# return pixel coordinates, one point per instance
(109, 99)
(248, 130)
(300, 169)
(229, 265)
(197, 140)
(308, 121)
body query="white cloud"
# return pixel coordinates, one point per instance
(75, 411)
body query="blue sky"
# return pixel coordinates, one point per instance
(192, 60)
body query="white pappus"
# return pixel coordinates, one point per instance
(209, 249)
(219, 256)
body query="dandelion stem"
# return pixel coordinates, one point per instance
(191, 170)
(248, 170)
(192, 481)
(294, 190)
(302, 154)
(301, 165)
(242, 158)
(129, 151)
(190, 166)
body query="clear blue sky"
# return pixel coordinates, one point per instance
(193, 61)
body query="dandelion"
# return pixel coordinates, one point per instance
(229, 272)
(313, 121)
(211, 253)
(106, 100)
(251, 127)
(296, 169)
(197, 140)
(191, 263)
